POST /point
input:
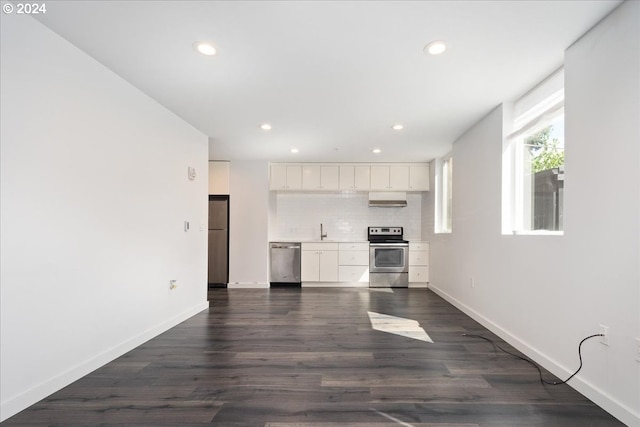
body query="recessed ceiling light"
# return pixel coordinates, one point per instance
(294, 150)
(436, 47)
(376, 151)
(205, 48)
(397, 127)
(265, 126)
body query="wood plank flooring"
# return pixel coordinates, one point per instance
(308, 357)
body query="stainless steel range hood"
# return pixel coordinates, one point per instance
(387, 199)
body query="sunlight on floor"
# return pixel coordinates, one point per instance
(387, 290)
(398, 325)
(394, 419)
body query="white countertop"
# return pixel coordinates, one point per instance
(288, 240)
(318, 241)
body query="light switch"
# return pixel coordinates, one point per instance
(186, 226)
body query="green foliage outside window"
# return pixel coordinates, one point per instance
(544, 150)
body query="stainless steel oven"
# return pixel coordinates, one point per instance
(388, 258)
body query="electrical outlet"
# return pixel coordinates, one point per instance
(604, 339)
(637, 349)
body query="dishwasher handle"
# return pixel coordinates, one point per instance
(285, 245)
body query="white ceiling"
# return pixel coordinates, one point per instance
(331, 77)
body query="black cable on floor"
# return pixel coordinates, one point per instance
(535, 365)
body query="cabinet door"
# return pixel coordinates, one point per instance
(218, 177)
(398, 177)
(310, 266)
(347, 177)
(419, 177)
(418, 258)
(362, 178)
(329, 177)
(353, 273)
(320, 178)
(419, 274)
(311, 177)
(328, 266)
(419, 246)
(354, 258)
(379, 177)
(278, 178)
(354, 246)
(294, 177)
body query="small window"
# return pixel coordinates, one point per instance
(533, 165)
(444, 194)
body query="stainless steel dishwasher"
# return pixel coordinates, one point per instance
(284, 263)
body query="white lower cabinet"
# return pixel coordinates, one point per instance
(418, 274)
(353, 262)
(347, 263)
(418, 263)
(319, 262)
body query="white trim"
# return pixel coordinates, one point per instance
(248, 285)
(10, 407)
(540, 95)
(605, 401)
(517, 198)
(540, 121)
(335, 284)
(418, 285)
(440, 193)
(538, 233)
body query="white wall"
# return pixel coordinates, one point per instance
(94, 194)
(248, 223)
(545, 293)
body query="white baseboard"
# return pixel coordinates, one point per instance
(620, 411)
(18, 403)
(335, 284)
(418, 284)
(248, 285)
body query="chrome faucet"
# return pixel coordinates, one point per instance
(322, 234)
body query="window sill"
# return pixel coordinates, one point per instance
(536, 233)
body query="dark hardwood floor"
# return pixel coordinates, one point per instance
(310, 358)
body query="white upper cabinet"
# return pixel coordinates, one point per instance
(379, 177)
(398, 178)
(285, 177)
(355, 177)
(318, 177)
(419, 177)
(362, 177)
(218, 177)
(393, 178)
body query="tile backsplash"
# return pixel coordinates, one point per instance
(345, 216)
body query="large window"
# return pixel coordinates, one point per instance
(444, 194)
(533, 163)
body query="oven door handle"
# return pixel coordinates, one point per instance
(388, 245)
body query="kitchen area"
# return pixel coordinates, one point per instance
(324, 222)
